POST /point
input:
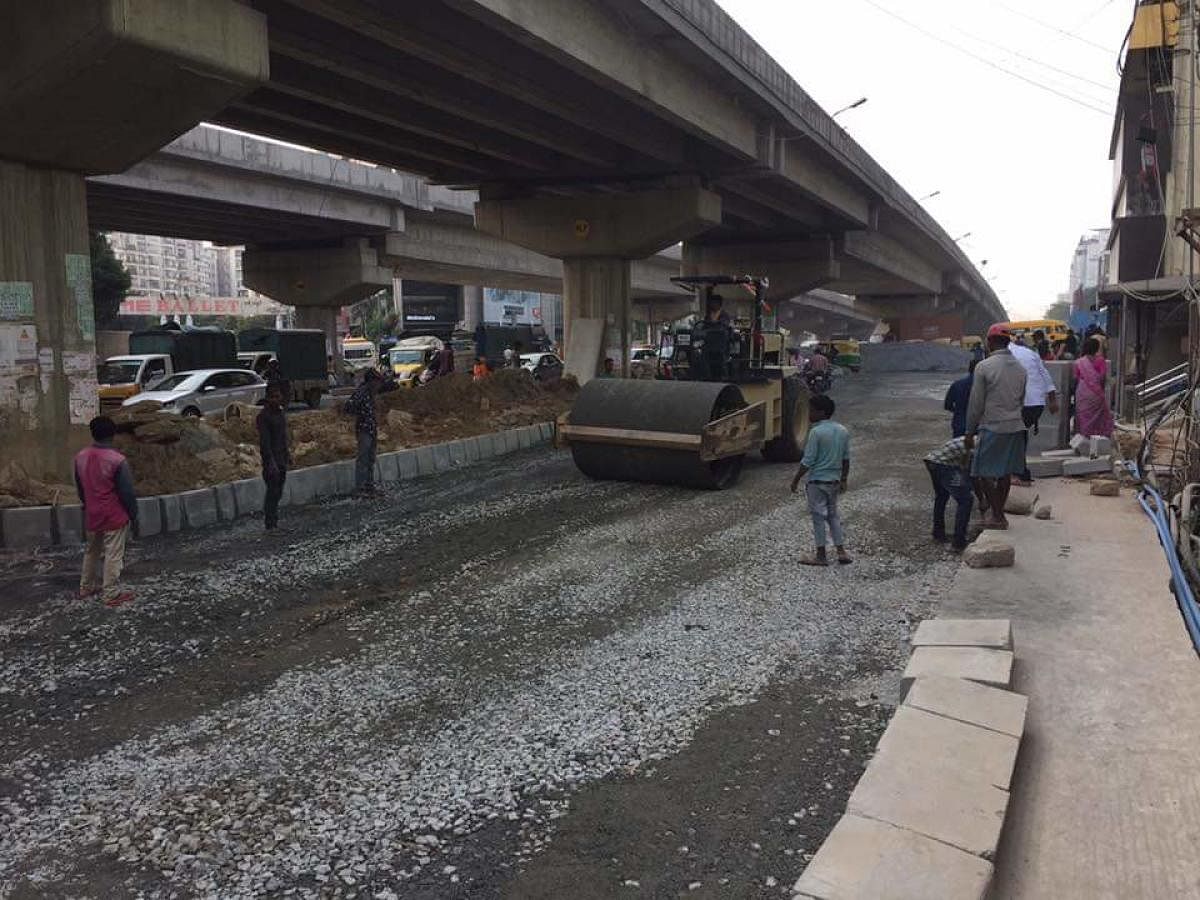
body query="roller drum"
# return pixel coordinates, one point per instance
(679, 407)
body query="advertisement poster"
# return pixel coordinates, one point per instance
(16, 300)
(507, 307)
(79, 283)
(18, 349)
(83, 399)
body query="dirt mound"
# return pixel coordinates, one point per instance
(19, 488)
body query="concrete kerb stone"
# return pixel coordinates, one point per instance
(441, 457)
(966, 701)
(150, 516)
(547, 430)
(512, 440)
(458, 453)
(863, 858)
(1085, 466)
(302, 484)
(28, 526)
(343, 477)
(986, 666)
(388, 469)
(248, 495)
(524, 438)
(406, 465)
(940, 778)
(68, 524)
(472, 450)
(1045, 466)
(172, 512)
(199, 507)
(994, 633)
(324, 480)
(226, 502)
(425, 461)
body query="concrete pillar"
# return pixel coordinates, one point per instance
(472, 306)
(596, 235)
(599, 288)
(48, 388)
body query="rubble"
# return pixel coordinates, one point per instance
(1106, 488)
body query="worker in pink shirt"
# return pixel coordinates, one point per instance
(105, 485)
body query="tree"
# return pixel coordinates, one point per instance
(110, 281)
(1060, 310)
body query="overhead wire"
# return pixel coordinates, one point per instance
(987, 62)
(1055, 28)
(1106, 87)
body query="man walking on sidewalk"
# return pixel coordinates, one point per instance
(826, 462)
(361, 405)
(1039, 395)
(273, 446)
(105, 486)
(995, 428)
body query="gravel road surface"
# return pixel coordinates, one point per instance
(508, 681)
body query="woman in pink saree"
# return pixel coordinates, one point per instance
(1092, 415)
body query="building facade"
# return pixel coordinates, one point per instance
(1147, 280)
(163, 265)
(1091, 254)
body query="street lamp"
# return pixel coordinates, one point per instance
(962, 237)
(929, 196)
(855, 105)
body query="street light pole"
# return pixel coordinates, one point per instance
(855, 105)
(962, 237)
(929, 196)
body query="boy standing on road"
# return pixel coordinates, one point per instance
(273, 445)
(105, 486)
(361, 405)
(827, 463)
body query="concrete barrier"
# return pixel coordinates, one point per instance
(68, 524)
(199, 507)
(26, 526)
(40, 526)
(226, 502)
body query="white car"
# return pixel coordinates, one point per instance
(204, 391)
(542, 366)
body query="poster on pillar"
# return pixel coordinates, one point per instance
(79, 283)
(18, 350)
(16, 300)
(83, 398)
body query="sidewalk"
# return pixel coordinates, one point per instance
(1106, 796)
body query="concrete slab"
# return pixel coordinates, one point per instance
(172, 512)
(547, 430)
(980, 664)
(301, 486)
(389, 471)
(471, 448)
(441, 457)
(226, 502)
(150, 516)
(495, 443)
(199, 507)
(1045, 467)
(512, 440)
(869, 860)
(458, 453)
(995, 633)
(936, 776)
(248, 494)
(27, 526)
(1021, 501)
(68, 524)
(425, 461)
(1059, 454)
(343, 477)
(1099, 446)
(1084, 466)
(1105, 488)
(406, 464)
(524, 438)
(967, 701)
(324, 480)
(1080, 445)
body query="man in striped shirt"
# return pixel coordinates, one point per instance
(949, 469)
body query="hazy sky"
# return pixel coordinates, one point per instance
(1021, 168)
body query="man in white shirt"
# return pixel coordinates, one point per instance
(1039, 393)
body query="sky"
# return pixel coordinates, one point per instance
(1022, 167)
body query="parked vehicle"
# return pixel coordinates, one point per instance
(410, 358)
(520, 338)
(204, 391)
(542, 366)
(301, 355)
(158, 353)
(359, 354)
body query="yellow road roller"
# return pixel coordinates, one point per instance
(722, 389)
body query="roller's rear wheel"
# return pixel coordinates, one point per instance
(677, 407)
(789, 446)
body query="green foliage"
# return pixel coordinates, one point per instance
(110, 281)
(1060, 309)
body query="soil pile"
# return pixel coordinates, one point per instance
(19, 488)
(177, 453)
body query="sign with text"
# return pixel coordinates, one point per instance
(243, 307)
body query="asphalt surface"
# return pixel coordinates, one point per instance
(506, 681)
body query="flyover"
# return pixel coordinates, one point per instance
(596, 133)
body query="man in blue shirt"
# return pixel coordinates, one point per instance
(826, 462)
(958, 395)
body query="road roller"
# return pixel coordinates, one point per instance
(721, 390)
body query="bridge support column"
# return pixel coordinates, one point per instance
(78, 73)
(318, 281)
(472, 306)
(596, 236)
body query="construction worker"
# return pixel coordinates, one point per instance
(105, 486)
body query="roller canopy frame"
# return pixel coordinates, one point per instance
(732, 435)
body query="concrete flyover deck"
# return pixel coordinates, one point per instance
(1106, 798)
